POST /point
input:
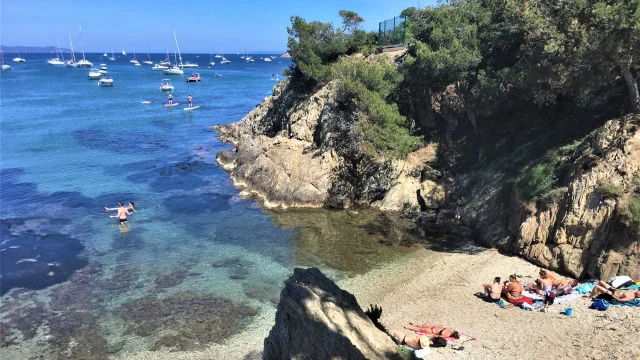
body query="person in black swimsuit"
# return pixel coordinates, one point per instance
(170, 98)
(190, 101)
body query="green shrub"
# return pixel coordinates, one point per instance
(368, 85)
(634, 209)
(537, 180)
(611, 190)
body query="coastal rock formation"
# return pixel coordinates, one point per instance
(298, 150)
(584, 230)
(318, 320)
(285, 55)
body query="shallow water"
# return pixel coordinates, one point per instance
(193, 247)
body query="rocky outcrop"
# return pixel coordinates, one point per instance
(302, 150)
(582, 230)
(318, 320)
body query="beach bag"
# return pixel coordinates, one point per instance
(600, 304)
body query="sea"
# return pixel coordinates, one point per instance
(195, 263)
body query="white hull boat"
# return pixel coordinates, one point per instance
(85, 63)
(165, 85)
(6, 67)
(103, 67)
(105, 81)
(105, 54)
(267, 59)
(55, 62)
(94, 74)
(18, 59)
(188, 65)
(174, 70)
(148, 62)
(159, 67)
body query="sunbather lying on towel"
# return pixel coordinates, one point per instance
(493, 291)
(565, 286)
(417, 341)
(605, 291)
(433, 330)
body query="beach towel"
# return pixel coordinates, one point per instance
(587, 287)
(524, 299)
(633, 303)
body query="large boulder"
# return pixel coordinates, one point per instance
(318, 320)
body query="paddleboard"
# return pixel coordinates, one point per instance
(192, 108)
(171, 105)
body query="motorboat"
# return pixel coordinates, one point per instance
(105, 55)
(103, 66)
(218, 56)
(71, 63)
(94, 74)
(102, 71)
(218, 75)
(159, 67)
(165, 85)
(267, 59)
(105, 80)
(84, 62)
(195, 77)
(175, 69)
(188, 65)
(136, 63)
(225, 61)
(249, 59)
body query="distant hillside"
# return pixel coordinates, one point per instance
(31, 49)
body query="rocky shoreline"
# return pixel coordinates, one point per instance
(293, 150)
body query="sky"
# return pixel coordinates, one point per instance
(202, 26)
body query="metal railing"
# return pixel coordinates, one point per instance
(392, 31)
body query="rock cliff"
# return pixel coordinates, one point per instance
(585, 229)
(318, 320)
(301, 150)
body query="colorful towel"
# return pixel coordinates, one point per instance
(633, 303)
(524, 299)
(587, 287)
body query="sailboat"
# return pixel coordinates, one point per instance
(134, 61)
(167, 60)
(112, 58)
(105, 55)
(71, 63)
(211, 60)
(56, 60)
(124, 53)
(5, 66)
(148, 59)
(18, 58)
(83, 62)
(176, 68)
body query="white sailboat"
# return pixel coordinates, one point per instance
(18, 58)
(167, 60)
(134, 61)
(84, 62)
(56, 60)
(5, 66)
(71, 63)
(211, 62)
(148, 59)
(105, 55)
(175, 69)
(112, 58)
(124, 53)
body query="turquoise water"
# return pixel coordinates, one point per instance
(69, 148)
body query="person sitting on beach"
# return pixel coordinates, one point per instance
(493, 291)
(610, 293)
(513, 290)
(542, 285)
(565, 286)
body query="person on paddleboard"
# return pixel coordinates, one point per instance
(170, 98)
(190, 100)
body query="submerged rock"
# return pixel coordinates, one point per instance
(35, 260)
(318, 320)
(193, 321)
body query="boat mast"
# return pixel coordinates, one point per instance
(73, 54)
(148, 52)
(81, 44)
(177, 47)
(58, 50)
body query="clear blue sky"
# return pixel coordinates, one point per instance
(202, 26)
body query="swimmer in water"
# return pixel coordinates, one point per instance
(122, 211)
